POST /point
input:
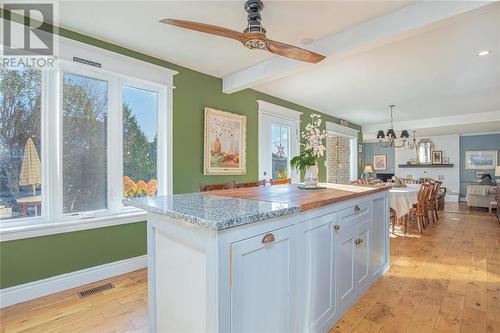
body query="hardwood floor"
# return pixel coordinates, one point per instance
(447, 280)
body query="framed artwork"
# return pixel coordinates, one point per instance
(360, 147)
(481, 159)
(446, 160)
(437, 157)
(225, 143)
(379, 162)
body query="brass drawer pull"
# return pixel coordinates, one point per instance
(337, 227)
(268, 239)
(358, 241)
(357, 208)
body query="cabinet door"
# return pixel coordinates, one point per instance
(263, 282)
(320, 252)
(362, 268)
(379, 246)
(345, 273)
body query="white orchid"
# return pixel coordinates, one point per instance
(313, 137)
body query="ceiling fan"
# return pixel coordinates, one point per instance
(253, 37)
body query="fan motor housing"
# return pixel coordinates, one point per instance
(253, 8)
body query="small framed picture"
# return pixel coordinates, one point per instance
(360, 147)
(380, 162)
(437, 157)
(446, 160)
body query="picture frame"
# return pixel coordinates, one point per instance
(437, 157)
(224, 143)
(446, 160)
(481, 159)
(360, 147)
(379, 162)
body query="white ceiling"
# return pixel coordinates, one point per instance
(432, 72)
(134, 24)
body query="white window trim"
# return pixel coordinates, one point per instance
(281, 116)
(333, 129)
(124, 71)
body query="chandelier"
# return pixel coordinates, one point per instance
(388, 140)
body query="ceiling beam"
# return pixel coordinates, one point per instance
(463, 119)
(385, 29)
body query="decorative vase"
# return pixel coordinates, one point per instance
(311, 175)
(217, 145)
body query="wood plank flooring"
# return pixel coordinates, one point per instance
(447, 280)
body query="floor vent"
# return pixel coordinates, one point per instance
(95, 290)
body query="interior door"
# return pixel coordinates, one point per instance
(277, 145)
(263, 282)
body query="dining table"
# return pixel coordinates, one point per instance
(402, 199)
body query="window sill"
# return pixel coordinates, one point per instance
(37, 227)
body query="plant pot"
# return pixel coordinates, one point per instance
(311, 175)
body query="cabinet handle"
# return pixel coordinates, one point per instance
(357, 208)
(358, 241)
(268, 239)
(337, 227)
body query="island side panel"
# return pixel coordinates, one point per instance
(182, 261)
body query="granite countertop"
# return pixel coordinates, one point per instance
(212, 211)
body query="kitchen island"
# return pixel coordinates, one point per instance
(263, 259)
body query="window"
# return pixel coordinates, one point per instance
(280, 152)
(140, 141)
(20, 143)
(85, 109)
(70, 135)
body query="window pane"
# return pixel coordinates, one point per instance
(280, 152)
(20, 132)
(85, 108)
(140, 137)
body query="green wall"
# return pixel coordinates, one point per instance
(31, 259)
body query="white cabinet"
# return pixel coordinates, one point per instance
(319, 251)
(362, 246)
(346, 257)
(379, 246)
(353, 273)
(263, 282)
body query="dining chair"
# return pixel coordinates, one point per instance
(280, 181)
(214, 187)
(434, 200)
(251, 184)
(392, 218)
(418, 210)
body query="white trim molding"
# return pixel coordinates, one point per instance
(31, 290)
(278, 111)
(339, 130)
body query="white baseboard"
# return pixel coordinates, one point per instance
(31, 290)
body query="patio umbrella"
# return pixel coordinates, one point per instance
(30, 167)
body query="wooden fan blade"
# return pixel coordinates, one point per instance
(293, 52)
(207, 28)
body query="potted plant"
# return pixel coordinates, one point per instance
(312, 139)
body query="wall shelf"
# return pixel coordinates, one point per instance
(426, 165)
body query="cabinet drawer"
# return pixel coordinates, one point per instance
(354, 214)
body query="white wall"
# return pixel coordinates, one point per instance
(450, 145)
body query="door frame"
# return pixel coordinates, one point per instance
(275, 114)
